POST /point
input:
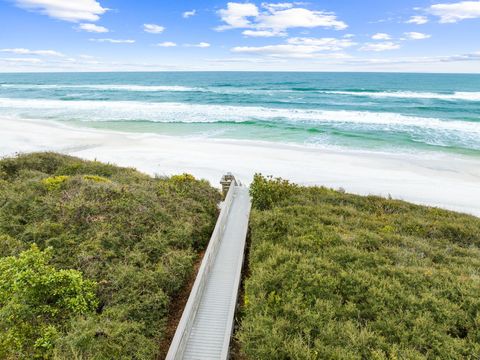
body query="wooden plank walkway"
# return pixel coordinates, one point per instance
(206, 326)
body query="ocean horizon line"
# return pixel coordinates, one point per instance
(243, 71)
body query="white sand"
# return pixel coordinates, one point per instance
(447, 181)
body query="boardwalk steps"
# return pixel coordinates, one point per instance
(206, 325)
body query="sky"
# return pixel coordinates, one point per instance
(214, 35)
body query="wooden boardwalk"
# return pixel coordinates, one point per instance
(205, 328)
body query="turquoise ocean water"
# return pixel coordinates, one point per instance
(360, 111)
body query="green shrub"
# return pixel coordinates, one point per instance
(55, 182)
(339, 276)
(266, 192)
(136, 236)
(184, 178)
(95, 178)
(36, 303)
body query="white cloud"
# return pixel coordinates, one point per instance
(167, 44)
(199, 45)
(464, 57)
(67, 10)
(298, 47)
(380, 46)
(381, 36)
(236, 15)
(276, 19)
(465, 63)
(288, 51)
(263, 33)
(322, 44)
(153, 28)
(418, 19)
(454, 12)
(417, 36)
(22, 51)
(299, 17)
(247, 60)
(190, 13)
(426, 60)
(277, 6)
(114, 41)
(22, 60)
(93, 28)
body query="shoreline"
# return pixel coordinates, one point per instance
(447, 181)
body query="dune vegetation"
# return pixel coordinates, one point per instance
(92, 256)
(339, 276)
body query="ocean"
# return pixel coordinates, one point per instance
(376, 112)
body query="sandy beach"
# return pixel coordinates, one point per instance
(447, 181)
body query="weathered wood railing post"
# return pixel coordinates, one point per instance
(226, 181)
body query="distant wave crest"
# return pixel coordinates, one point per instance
(455, 96)
(466, 96)
(110, 87)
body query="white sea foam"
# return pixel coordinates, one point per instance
(195, 113)
(466, 96)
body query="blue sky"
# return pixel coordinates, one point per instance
(341, 35)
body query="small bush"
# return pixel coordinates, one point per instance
(267, 191)
(55, 182)
(95, 178)
(184, 178)
(37, 302)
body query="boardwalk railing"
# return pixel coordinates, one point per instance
(178, 345)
